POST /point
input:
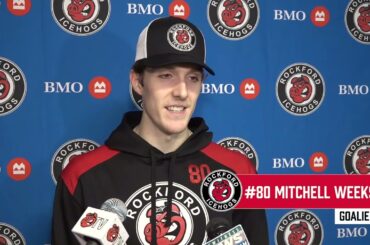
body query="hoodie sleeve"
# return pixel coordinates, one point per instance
(66, 213)
(254, 224)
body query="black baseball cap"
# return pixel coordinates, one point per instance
(170, 40)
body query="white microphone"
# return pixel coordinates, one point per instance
(219, 232)
(102, 226)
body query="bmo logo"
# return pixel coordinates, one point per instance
(319, 15)
(217, 88)
(347, 89)
(291, 15)
(63, 87)
(355, 232)
(141, 9)
(288, 162)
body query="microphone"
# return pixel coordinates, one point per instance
(219, 232)
(216, 227)
(102, 226)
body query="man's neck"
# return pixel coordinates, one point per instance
(166, 143)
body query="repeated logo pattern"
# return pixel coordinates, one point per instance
(291, 79)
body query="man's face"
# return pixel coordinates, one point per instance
(169, 94)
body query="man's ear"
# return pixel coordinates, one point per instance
(136, 82)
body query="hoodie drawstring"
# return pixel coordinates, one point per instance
(153, 201)
(168, 204)
(170, 190)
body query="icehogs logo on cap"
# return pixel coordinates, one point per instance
(81, 17)
(357, 156)
(12, 86)
(300, 89)
(186, 207)
(66, 152)
(233, 19)
(181, 37)
(299, 227)
(221, 190)
(10, 235)
(357, 19)
(242, 146)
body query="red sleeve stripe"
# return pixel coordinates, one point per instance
(231, 159)
(81, 164)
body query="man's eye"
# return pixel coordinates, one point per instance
(195, 78)
(165, 76)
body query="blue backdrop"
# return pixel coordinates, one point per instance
(292, 83)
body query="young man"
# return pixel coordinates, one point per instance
(156, 160)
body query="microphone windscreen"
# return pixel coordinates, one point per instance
(217, 226)
(115, 205)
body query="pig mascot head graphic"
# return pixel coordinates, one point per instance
(234, 13)
(81, 10)
(170, 235)
(4, 86)
(363, 20)
(363, 161)
(221, 191)
(299, 234)
(301, 90)
(89, 220)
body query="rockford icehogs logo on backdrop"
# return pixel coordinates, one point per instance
(300, 89)
(12, 86)
(10, 235)
(357, 156)
(66, 152)
(186, 207)
(181, 37)
(242, 146)
(221, 190)
(81, 17)
(299, 227)
(357, 18)
(233, 19)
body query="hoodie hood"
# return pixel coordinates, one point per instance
(124, 139)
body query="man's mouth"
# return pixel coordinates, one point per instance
(176, 108)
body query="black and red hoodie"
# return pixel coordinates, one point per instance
(132, 170)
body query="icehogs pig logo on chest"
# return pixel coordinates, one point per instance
(189, 216)
(170, 235)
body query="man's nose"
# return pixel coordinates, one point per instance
(181, 89)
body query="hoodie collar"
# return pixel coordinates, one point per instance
(124, 139)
